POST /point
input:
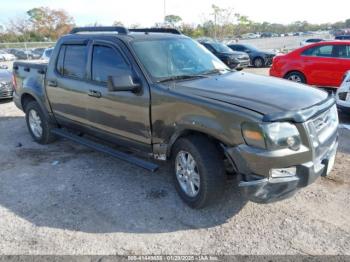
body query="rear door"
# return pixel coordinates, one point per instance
(320, 66)
(66, 84)
(122, 114)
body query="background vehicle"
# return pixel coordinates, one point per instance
(343, 94)
(233, 59)
(38, 51)
(23, 54)
(6, 86)
(46, 54)
(250, 36)
(210, 122)
(268, 34)
(322, 64)
(4, 56)
(258, 58)
(342, 37)
(311, 41)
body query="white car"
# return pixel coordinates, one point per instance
(6, 56)
(47, 53)
(310, 41)
(343, 94)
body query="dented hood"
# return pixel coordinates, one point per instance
(265, 95)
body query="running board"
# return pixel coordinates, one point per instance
(105, 149)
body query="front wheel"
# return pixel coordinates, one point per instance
(38, 125)
(258, 62)
(199, 173)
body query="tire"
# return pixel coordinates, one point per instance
(296, 77)
(38, 125)
(259, 62)
(209, 169)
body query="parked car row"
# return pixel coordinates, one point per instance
(22, 54)
(258, 57)
(239, 56)
(233, 59)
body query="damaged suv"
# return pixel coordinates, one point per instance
(165, 96)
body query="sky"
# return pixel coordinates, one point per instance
(148, 12)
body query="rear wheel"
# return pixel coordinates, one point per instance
(39, 127)
(296, 77)
(199, 172)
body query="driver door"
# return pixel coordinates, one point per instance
(122, 114)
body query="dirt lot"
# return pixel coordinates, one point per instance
(66, 199)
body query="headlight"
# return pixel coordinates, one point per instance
(272, 135)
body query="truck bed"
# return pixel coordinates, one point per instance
(30, 74)
(33, 64)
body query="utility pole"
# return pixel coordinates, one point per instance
(164, 10)
(215, 25)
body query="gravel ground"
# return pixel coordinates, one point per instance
(66, 199)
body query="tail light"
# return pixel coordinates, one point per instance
(14, 82)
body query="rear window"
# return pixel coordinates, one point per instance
(322, 51)
(342, 51)
(71, 61)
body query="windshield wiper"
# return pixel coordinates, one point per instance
(180, 77)
(215, 71)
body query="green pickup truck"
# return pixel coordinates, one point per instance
(164, 96)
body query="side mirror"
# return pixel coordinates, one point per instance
(247, 51)
(123, 81)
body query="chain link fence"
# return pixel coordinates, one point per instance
(27, 45)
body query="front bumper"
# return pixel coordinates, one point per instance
(343, 99)
(243, 64)
(254, 167)
(6, 94)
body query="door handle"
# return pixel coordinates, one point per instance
(94, 93)
(52, 83)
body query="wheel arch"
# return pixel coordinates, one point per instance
(296, 71)
(189, 132)
(28, 97)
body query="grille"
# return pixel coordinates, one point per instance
(325, 124)
(6, 94)
(6, 86)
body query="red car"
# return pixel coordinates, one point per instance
(321, 64)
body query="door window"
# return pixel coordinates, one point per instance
(238, 48)
(105, 62)
(210, 48)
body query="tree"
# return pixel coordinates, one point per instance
(173, 20)
(118, 23)
(134, 26)
(347, 23)
(50, 23)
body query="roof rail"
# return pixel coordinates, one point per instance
(118, 29)
(156, 30)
